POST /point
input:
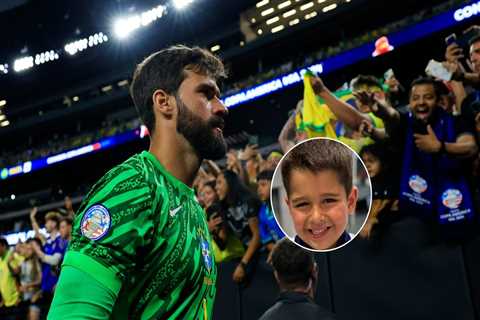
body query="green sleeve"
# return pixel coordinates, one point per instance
(80, 296)
(123, 199)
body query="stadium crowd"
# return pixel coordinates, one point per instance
(419, 144)
(34, 148)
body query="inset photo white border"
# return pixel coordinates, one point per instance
(356, 221)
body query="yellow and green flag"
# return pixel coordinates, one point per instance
(316, 118)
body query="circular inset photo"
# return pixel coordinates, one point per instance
(321, 194)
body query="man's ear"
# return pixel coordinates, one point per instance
(352, 200)
(163, 103)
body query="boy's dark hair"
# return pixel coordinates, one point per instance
(265, 175)
(293, 264)
(319, 155)
(426, 81)
(165, 70)
(365, 80)
(3, 242)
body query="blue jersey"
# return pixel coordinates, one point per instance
(49, 272)
(269, 229)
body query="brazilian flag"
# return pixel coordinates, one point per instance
(316, 118)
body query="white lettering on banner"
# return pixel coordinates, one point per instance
(316, 68)
(291, 78)
(14, 238)
(455, 215)
(69, 154)
(270, 86)
(27, 167)
(467, 11)
(416, 198)
(255, 92)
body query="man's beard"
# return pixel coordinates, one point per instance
(200, 133)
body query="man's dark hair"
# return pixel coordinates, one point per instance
(365, 80)
(165, 70)
(293, 264)
(210, 184)
(265, 175)
(37, 240)
(378, 150)
(67, 220)
(3, 242)
(426, 81)
(319, 155)
(473, 40)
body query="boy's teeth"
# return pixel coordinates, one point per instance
(318, 231)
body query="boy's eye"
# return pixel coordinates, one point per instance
(330, 200)
(301, 205)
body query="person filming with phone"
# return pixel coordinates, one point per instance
(436, 149)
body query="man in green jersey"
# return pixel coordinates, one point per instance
(140, 246)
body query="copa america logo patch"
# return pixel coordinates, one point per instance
(96, 222)
(418, 184)
(207, 258)
(452, 198)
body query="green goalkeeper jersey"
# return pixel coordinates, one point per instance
(141, 233)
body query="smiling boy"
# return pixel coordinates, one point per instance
(317, 176)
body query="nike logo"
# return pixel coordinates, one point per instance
(173, 212)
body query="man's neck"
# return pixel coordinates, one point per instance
(306, 291)
(53, 234)
(176, 155)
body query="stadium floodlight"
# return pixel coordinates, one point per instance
(330, 7)
(181, 4)
(23, 63)
(46, 56)
(278, 28)
(4, 123)
(3, 103)
(12, 197)
(123, 27)
(77, 46)
(306, 6)
(4, 68)
(2, 117)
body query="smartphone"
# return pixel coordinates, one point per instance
(464, 39)
(253, 139)
(389, 74)
(419, 127)
(451, 39)
(437, 70)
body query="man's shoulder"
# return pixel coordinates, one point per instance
(134, 168)
(309, 310)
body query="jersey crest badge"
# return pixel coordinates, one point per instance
(207, 258)
(96, 222)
